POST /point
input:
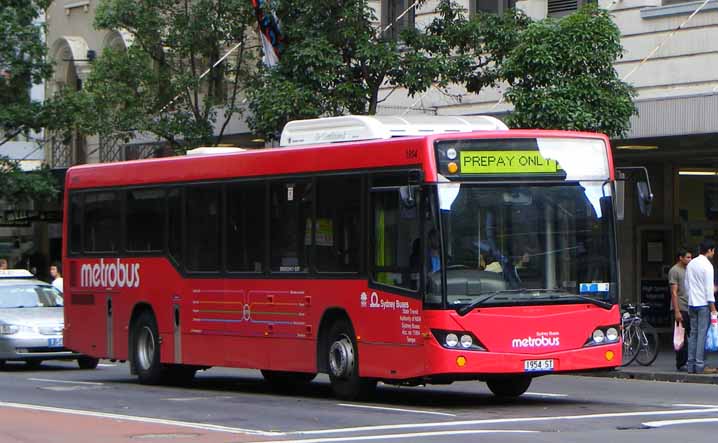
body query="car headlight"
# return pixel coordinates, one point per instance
(9, 329)
(452, 340)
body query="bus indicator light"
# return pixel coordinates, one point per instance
(461, 361)
(453, 167)
(609, 355)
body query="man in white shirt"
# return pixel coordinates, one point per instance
(701, 302)
(56, 275)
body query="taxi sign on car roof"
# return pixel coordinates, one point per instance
(15, 273)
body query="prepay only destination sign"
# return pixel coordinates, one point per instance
(506, 162)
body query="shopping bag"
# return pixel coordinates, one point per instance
(679, 336)
(712, 335)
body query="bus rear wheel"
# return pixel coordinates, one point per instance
(509, 387)
(343, 364)
(146, 349)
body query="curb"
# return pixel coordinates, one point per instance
(675, 377)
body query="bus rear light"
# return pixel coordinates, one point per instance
(459, 340)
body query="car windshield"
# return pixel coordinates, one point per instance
(507, 244)
(29, 296)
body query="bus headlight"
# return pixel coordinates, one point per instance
(598, 336)
(466, 341)
(452, 340)
(612, 334)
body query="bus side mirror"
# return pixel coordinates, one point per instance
(620, 204)
(645, 197)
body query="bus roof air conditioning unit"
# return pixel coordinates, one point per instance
(213, 150)
(361, 127)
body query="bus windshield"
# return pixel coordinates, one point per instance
(524, 244)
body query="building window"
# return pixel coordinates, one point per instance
(559, 8)
(492, 6)
(399, 15)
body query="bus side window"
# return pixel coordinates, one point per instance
(102, 222)
(174, 224)
(246, 226)
(75, 230)
(145, 221)
(202, 218)
(394, 239)
(337, 236)
(290, 225)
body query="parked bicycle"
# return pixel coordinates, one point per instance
(640, 338)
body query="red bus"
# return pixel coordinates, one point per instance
(368, 248)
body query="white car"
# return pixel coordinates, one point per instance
(31, 322)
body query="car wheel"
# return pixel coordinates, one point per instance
(510, 386)
(146, 349)
(343, 364)
(87, 362)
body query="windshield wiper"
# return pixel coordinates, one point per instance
(462, 311)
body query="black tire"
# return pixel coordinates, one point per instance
(343, 363)
(2, 365)
(146, 350)
(287, 381)
(33, 364)
(509, 386)
(88, 362)
(630, 345)
(648, 351)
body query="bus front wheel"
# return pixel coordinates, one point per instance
(509, 387)
(146, 349)
(343, 364)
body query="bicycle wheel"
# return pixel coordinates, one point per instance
(648, 351)
(631, 345)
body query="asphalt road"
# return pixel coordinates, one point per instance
(59, 403)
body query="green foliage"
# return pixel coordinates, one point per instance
(22, 64)
(153, 86)
(19, 186)
(561, 75)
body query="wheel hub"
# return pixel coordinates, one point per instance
(145, 348)
(341, 357)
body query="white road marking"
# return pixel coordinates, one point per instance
(219, 397)
(104, 365)
(692, 405)
(685, 421)
(545, 394)
(408, 435)
(160, 421)
(94, 383)
(504, 420)
(382, 408)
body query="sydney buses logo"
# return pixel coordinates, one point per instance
(110, 275)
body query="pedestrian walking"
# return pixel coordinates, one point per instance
(56, 275)
(701, 303)
(3, 264)
(679, 302)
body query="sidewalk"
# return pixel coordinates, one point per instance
(663, 369)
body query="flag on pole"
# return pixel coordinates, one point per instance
(269, 34)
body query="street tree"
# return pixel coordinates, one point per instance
(337, 61)
(153, 87)
(561, 75)
(23, 64)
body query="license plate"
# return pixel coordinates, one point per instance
(538, 365)
(54, 342)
